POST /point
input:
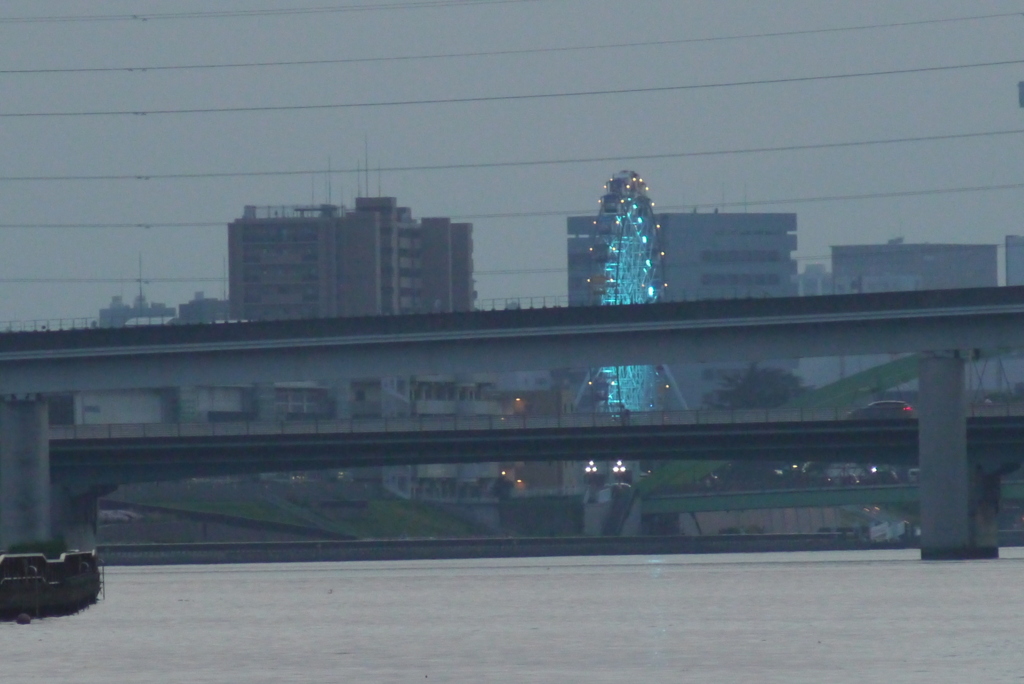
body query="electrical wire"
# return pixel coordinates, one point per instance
(497, 53)
(581, 212)
(862, 250)
(508, 98)
(289, 11)
(766, 202)
(74, 280)
(509, 164)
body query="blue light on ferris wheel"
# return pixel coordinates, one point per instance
(628, 276)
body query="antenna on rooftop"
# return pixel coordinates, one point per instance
(328, 179)
(142, 298)
(366, 157)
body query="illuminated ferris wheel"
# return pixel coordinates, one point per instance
(625, 252)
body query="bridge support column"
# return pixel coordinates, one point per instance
(265, 402)
(958, 506)
(24, 471)
(74, 514)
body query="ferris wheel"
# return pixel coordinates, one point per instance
(627, 271)
(625, 243)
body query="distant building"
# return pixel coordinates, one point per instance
(118, 314)
(203, 309)
(815, 280)
(1015, 260)
(898, 266)
(323, 261)
(722, 256)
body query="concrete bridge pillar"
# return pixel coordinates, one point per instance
(24, 471)
(959, 501)
(265, 402)
(74, 513)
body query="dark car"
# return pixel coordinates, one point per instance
(883, 409)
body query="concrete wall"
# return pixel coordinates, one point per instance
(121, 406)
(769, 521)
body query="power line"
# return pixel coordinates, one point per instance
(506, 98)
(767, 202)
(581, 212)
(873, 249)
(508, 164)
(226, 14)
(192, 224)
(206, 279)
(498, 53)
(15, 280)
(862, 249)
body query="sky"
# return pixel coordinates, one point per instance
(689, 65)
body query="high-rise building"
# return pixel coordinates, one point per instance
(898, 266)
(323, 261)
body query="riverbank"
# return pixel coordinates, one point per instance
(435, 549)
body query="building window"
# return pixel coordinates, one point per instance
(739, 279)
(301, 400)
(723, 256)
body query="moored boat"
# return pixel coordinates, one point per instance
(31, 583)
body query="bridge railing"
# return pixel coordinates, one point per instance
(447, 423)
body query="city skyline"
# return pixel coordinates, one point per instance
(518, 210)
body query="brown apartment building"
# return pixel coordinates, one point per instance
(325, 260)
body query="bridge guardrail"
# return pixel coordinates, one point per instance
(448, 423)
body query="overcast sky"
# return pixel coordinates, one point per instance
(622, 125)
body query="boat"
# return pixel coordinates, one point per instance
(32, 584)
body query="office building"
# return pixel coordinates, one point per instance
(1015, 260)
(815, 279)
(203, 309)
(897, 265)
(725, 256)
(325, 261)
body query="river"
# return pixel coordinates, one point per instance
(858, 616)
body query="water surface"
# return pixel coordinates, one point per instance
(795, 617)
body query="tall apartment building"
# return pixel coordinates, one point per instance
(325, 260)
(900, 266)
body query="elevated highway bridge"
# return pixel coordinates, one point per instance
(121, 454)
(959, 495)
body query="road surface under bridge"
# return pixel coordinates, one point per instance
(89, 455)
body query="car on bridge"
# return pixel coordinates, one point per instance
(888, 409)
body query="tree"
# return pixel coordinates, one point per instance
(756, 387)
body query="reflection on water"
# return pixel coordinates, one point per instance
(798, 617)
